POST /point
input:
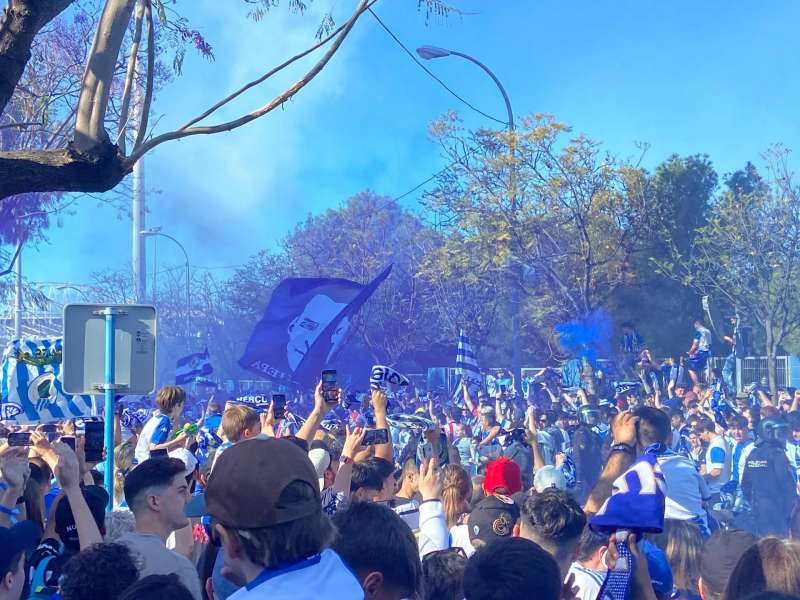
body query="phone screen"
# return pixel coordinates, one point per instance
(279, 406)
(19, 438)
(93, 448)
(376, 436)
(330, 386)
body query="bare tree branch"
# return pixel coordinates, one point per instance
(148, 90)
(130, 74)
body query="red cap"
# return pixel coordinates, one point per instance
(502, 473)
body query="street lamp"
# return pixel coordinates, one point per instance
(430, 53)
(156, 231)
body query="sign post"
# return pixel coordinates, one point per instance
(109, 348)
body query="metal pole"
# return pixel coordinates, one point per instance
(18, 299)
(188, 302)
(109, 389)
(515, 269)
(139, 254)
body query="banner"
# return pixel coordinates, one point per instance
(305, 324)
(194, 367)
(30, 384)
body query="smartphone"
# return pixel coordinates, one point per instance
(279, 406)
(69, 441)
(19, 438)
(503, 388)
(376, 436)
(158, 452)
(330, 386)
(93, 448)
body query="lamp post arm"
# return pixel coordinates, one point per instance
(497, 82)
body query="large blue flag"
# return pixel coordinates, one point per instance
(31, 390)
(304, 326)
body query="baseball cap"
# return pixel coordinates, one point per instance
(492, 518)
(97, 499)
(720, 554)
(549, 477)
(502, 473)
(15, 540)
(244, 489)
(321, 459)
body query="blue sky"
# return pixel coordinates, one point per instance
(715, 77)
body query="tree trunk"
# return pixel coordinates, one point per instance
(60, 170)
(21, 21)
(772, 360)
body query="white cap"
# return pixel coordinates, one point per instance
(549, 477)
(186, 457)
(321, 459)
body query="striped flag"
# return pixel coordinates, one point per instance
(31, 389)
(466, 362)
(192, 367)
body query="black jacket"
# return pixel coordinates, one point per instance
(769, 486)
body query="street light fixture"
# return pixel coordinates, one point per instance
(433, 52)
(156, 231)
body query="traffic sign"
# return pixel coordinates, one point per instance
(134, 343)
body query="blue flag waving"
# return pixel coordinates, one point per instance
(192, 367)
(304, 326)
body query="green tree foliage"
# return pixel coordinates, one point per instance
(748, 252)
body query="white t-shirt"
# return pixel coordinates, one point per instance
(588, 581)
(459, 538)
(320, 576)
(718, 456)
(703, 337)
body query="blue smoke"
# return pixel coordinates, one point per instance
(589, 337)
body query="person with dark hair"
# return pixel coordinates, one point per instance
(101, 571)
(588, 569)
(720, 555)
(685, 488)
(511, 569)
(742, 447)
(443, 574)
(372, 480)
(15, 543)
(380, 548)
(768, 480)
(157, 492)
(555, 521)
(157, 587)
(717, 467)
(48, 561)
(264, 501)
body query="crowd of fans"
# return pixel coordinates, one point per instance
(489, 493)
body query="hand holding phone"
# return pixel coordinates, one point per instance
(19, 438)
(94, 443)
(279, 406)
(330, 386)
(374, 437)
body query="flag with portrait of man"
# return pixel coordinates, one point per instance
(304, 326)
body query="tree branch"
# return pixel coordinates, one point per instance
(148, 90)
(21, 21)
(130, 74)
(277, 101)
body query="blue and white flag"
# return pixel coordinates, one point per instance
(466, 361)
(31, 389)
(193, 367)
(305, 324)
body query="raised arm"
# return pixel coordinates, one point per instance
(467, 397)
(321, 408)
(624, 431)
(379, 403)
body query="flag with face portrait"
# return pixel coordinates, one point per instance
(31, 389)
(304, 326)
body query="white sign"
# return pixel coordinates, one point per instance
(85, 348)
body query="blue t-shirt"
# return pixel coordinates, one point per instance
(155, 431)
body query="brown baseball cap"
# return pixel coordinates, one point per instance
(246, 484)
